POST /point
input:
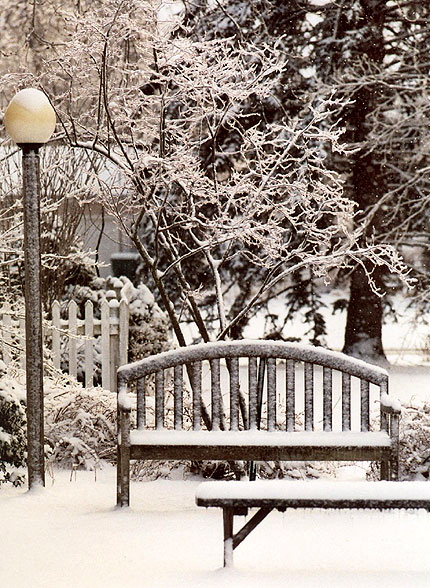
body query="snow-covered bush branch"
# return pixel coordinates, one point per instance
(148, 325)
(80, 426)
(13, 442)
(65, 192)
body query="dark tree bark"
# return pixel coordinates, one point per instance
(363, 332)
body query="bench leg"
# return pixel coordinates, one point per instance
(385, 470)
(118, 476)
(394, 468)
(123, 462)
(390, 469)
(228, 515)
(252, 469)
(123, 476)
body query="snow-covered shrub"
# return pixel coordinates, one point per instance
(13, 440)
(415, 440)
(80, 426)
(149, 325)
(414, 454)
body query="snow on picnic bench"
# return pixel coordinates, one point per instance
(329, 490)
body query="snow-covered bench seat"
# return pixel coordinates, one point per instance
(235, 498)
(254, 401)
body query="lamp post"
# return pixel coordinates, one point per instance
(30, 121)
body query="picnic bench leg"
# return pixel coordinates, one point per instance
(231, 540)
(228, 515)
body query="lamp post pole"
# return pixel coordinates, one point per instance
(33, 314)
(30, 121)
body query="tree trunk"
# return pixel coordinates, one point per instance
(363, 332)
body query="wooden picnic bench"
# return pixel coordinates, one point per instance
(254, 401)
(235, 498)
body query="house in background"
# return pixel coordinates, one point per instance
(115, 254)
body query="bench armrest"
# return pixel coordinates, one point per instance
(390, 422)
(123, 400)
(390, 405)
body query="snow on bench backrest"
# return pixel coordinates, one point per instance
(238, 374)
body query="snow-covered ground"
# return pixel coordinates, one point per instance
(406, 341)
(70, 534)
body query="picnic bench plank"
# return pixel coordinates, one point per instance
(235, 498)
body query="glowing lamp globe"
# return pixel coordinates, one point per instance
(30, 118)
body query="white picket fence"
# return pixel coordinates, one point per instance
(77, 346)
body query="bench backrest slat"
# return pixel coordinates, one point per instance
(364, 409)
(141, 403)
(159, 399)
(255, 375)
(271, 394)
(178, 396)
(216, 394)
(290, 401)
(252, 392)
(233, 367)
(309, 396)
(327, 398)
(346, 402)
(260, 388)
(196, 385)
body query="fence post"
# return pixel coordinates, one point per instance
(56, 334)
(89, 344)
(124, 316)
(73, 330)
(105, 335)
(114, 341)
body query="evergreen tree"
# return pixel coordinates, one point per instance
(374, 54)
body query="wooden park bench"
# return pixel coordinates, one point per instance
(254, 401)
(235, 498)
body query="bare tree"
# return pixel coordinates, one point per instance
(69, 182)
(154, 105)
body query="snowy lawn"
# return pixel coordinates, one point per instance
(70, 534)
